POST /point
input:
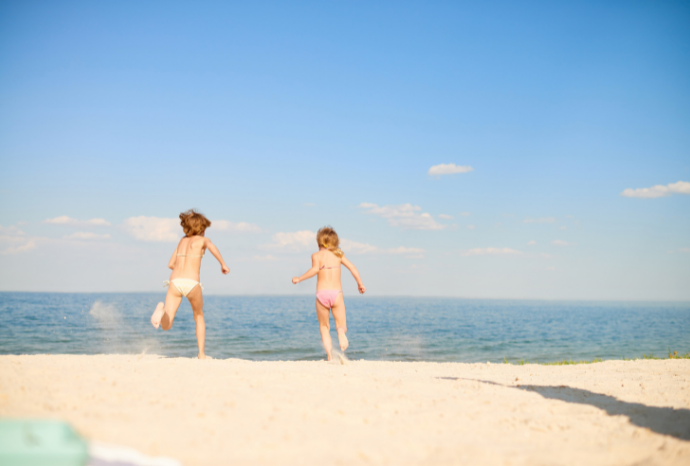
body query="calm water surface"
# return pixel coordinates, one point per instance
(403, 329)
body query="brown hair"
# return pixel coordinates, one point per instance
(193, 222)
(328, 238)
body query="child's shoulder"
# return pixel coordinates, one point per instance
(194, 241)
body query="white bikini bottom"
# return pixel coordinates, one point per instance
(183, 285)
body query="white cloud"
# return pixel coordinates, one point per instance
(681, 187)
(491, 251)
(12, 239)
(153, 228)
(86, 235)
(305, 241)
(448, 169)
(551, 268)
(14, 235)
(243, 227)
(65, 220)
(309, 204)
(11, 230)
(353, 247)
(531, 243)
(465, 214)
(298, 241)
(400, 250)
(471, 227)
(98, 222)
(30, 244)
(684, 250)
(540, 220)
(546, 256)
(563, 228)
(445, 216)
(405, 216)
(560, 242)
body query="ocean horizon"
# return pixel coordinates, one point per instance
(353, 295)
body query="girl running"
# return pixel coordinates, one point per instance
(329, 295)
(184, 279)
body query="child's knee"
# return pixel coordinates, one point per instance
(341, 328)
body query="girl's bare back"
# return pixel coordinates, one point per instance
(187, 257)
(328, 277)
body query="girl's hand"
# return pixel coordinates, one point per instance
(295, 280)
(224, 269)
(362, 289)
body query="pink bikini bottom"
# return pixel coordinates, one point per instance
(327, 297)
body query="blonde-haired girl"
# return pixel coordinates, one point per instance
(184, 279)
(329, 295)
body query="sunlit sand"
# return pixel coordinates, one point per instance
(385, 413)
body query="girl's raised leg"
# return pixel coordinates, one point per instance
(196, 299)
(165, 313)
(338, 311)
(322, 313)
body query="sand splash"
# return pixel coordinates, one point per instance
(106, 315)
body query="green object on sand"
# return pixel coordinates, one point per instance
(39, 443)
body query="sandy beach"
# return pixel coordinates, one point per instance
(365, 412)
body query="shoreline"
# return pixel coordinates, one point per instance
(507, 361)
(233, 411)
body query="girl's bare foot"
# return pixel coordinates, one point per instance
(157, 315)
(204, 356)
(342, 339)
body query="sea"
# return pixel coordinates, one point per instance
(379, 328)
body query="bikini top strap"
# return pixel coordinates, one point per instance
(190, 255)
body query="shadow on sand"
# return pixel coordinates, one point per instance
(666, 421)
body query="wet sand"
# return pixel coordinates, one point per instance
(366, 412)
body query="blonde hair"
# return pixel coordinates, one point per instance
(328, 238)
(193, 223)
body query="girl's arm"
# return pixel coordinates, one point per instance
(216, 253)
(310, 273)
(355, 273)
(173, 260)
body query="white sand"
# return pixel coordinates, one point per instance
(234, 412)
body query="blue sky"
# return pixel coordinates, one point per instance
(276, 118)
